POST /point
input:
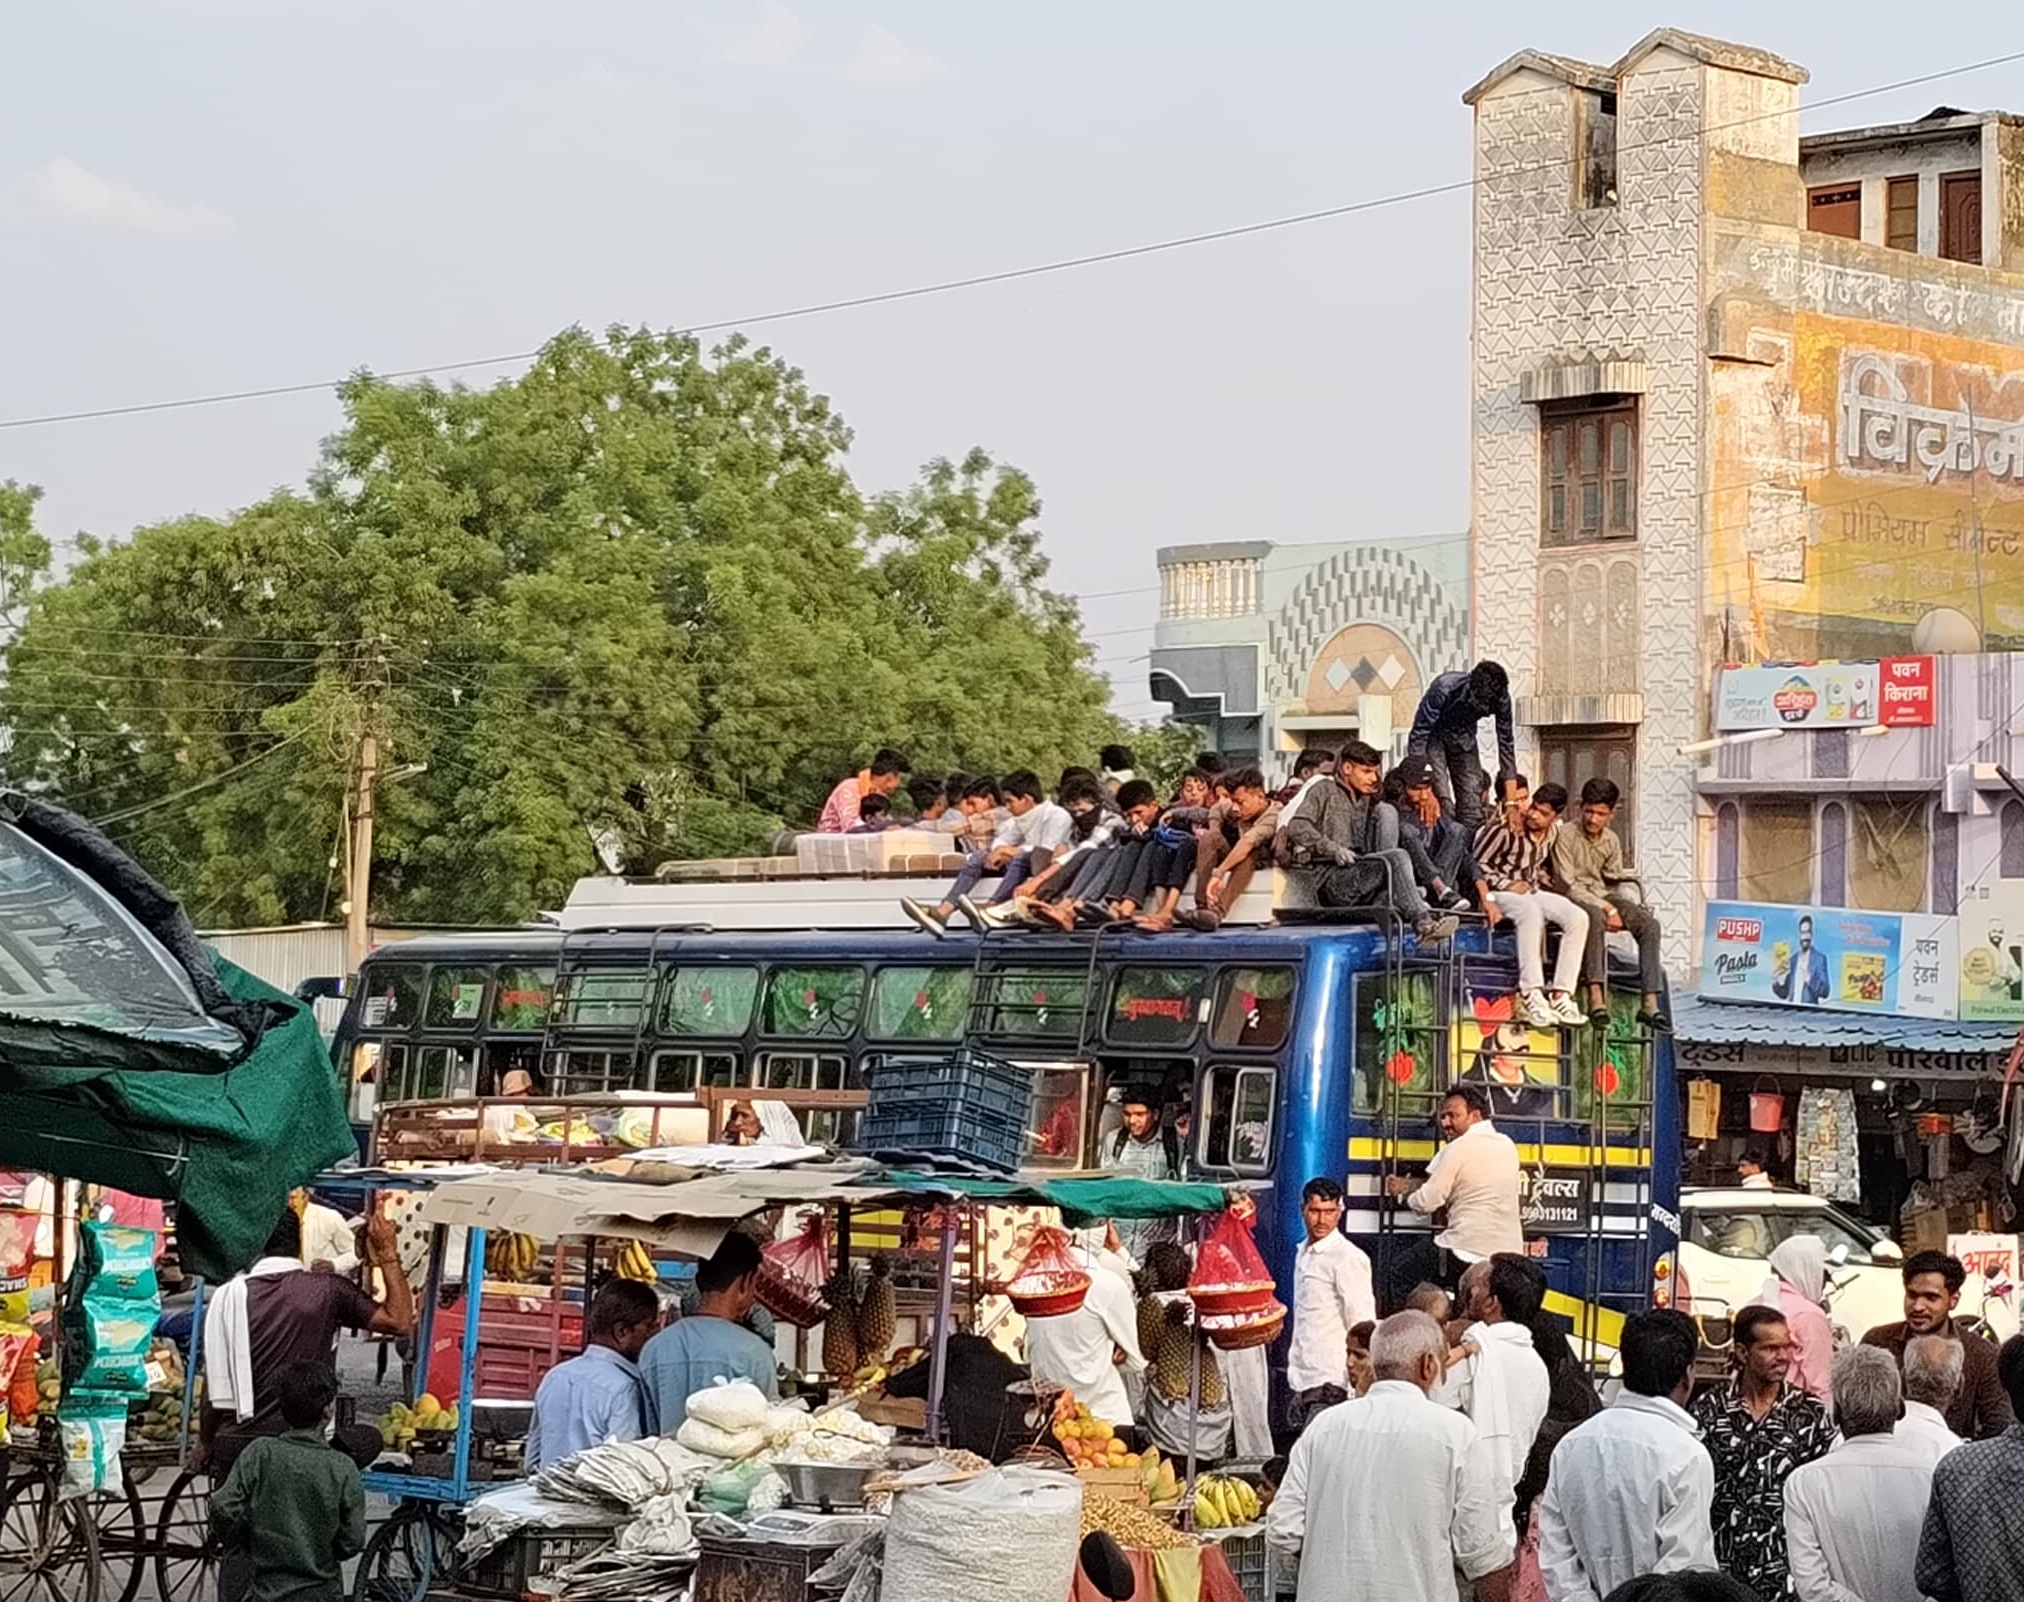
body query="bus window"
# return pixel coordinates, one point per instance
(1238, 1130)
(390, 995)
(800, 1070)
(920, 1004)
(1254, 1008)
(1034, 1004)
(603, 998)
(678, 1072)
(456, 998)
(520, 998)
(817, 1002)
(1060, 1115)
(442, 1071)
(1154, 1006)
(375, 1065)
(589, 1073)
(709, 1001)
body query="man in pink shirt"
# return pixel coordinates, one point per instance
(840, 811)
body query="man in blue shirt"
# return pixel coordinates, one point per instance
(695, 1352)
(1444, 731)
(598, 1396)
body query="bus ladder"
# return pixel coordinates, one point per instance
(632, 987)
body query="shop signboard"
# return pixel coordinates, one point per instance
(1897, 692)
(1830, 957)
(1992, 951)
(1987, 1255)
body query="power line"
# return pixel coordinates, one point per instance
(201, 785)
(1014, 274)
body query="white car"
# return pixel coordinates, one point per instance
(1727, 1236)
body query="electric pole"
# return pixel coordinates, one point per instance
(358, 878)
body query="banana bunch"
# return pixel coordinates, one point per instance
(634, 1263)
(511, 1257)
(1222, 1503)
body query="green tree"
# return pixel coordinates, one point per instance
(632, 592)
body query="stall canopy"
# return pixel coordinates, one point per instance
(689, 1212)
(226, 1146)
(99, 967)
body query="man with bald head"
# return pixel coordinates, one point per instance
(1389, 1497)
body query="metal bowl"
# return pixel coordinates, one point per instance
(826, 1486)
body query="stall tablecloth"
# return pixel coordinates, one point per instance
(1198, 1574)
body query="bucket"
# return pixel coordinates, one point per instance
(1767, 1108)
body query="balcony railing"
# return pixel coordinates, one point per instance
(1210, 589)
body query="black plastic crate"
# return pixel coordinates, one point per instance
(968, 1105)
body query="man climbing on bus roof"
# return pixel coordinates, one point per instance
(840, 812)
(1444, 729)
(1144, 1149)
(1476, 1177)
(1588, 866)
(1343, 842)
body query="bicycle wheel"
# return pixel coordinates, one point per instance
(399, 1560)
(186, 1560)
(123, 1544)
(48, 1548)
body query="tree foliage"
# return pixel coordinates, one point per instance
(633, 592)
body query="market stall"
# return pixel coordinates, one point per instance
(818, 1487)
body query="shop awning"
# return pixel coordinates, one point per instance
(226, 1147)
(1728, 1023)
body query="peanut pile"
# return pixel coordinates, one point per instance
(1132, 1526)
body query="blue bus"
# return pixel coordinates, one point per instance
(1281, 1052)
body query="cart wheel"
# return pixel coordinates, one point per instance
(399, 1560)
(48, 1549)
(186, 1561)
(122, 1542)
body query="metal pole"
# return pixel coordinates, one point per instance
(190, 1372)
(938, 1356)
(1194, 1418)
(474, 1251)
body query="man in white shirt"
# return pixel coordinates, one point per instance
(1932, 1379)
(1389, 1497)
(1853, 1517)
(328, 1244)
(1476, 1177)
(1331, 1295)
(1091, 1349)
(1632, 1491)
(1752, 1170)
(1495, 1376)
(1035, 831)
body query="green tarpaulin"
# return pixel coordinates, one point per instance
(1082, 1201)
(225, 1147)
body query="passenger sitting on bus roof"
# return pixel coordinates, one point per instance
(1311, 761)
(1223, 865)
(1166, 868)
(1438, 845)
(1512, 848)
(1118, 766)
(697, 1351)
(1093, 827)
(1588, 863)
(979, 813)
(932, 803)
(1099, 880)
(1035, 831)
(874, 816)
(1343, 842)
(883, 777)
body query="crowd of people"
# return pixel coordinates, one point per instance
(1423, 843)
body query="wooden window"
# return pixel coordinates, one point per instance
(1961, 216)
(1836, 209)
(1901, 214)
(1777, 852)
(1889, 850)
(1588, 461)
(1573, 756)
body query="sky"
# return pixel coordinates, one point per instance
(200, 196)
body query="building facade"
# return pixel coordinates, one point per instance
(1738, 397)
(1268, 648)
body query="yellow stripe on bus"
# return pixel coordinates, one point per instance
(1365, 1148)
(1602, 1325)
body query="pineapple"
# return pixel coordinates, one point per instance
(1172, 1353)
(839, 1329)
(877, 1314)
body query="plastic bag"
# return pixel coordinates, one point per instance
(119, 1261)
(24, 1390)
(1049, 1280)
(713, 1442)
(1007, 1536)
(1230, 1276)
(17, 1256)
(730, 1489)
(739, 1405)
(793, 1272)
(91, 1432)
(111, 1341)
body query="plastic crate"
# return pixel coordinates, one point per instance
(509, 1569)
(969, 1106)
(1251, 1565)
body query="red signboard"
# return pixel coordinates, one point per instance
(1907, 692)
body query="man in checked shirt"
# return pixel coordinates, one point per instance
(1511, 851)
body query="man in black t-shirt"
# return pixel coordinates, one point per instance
(294, 1315)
